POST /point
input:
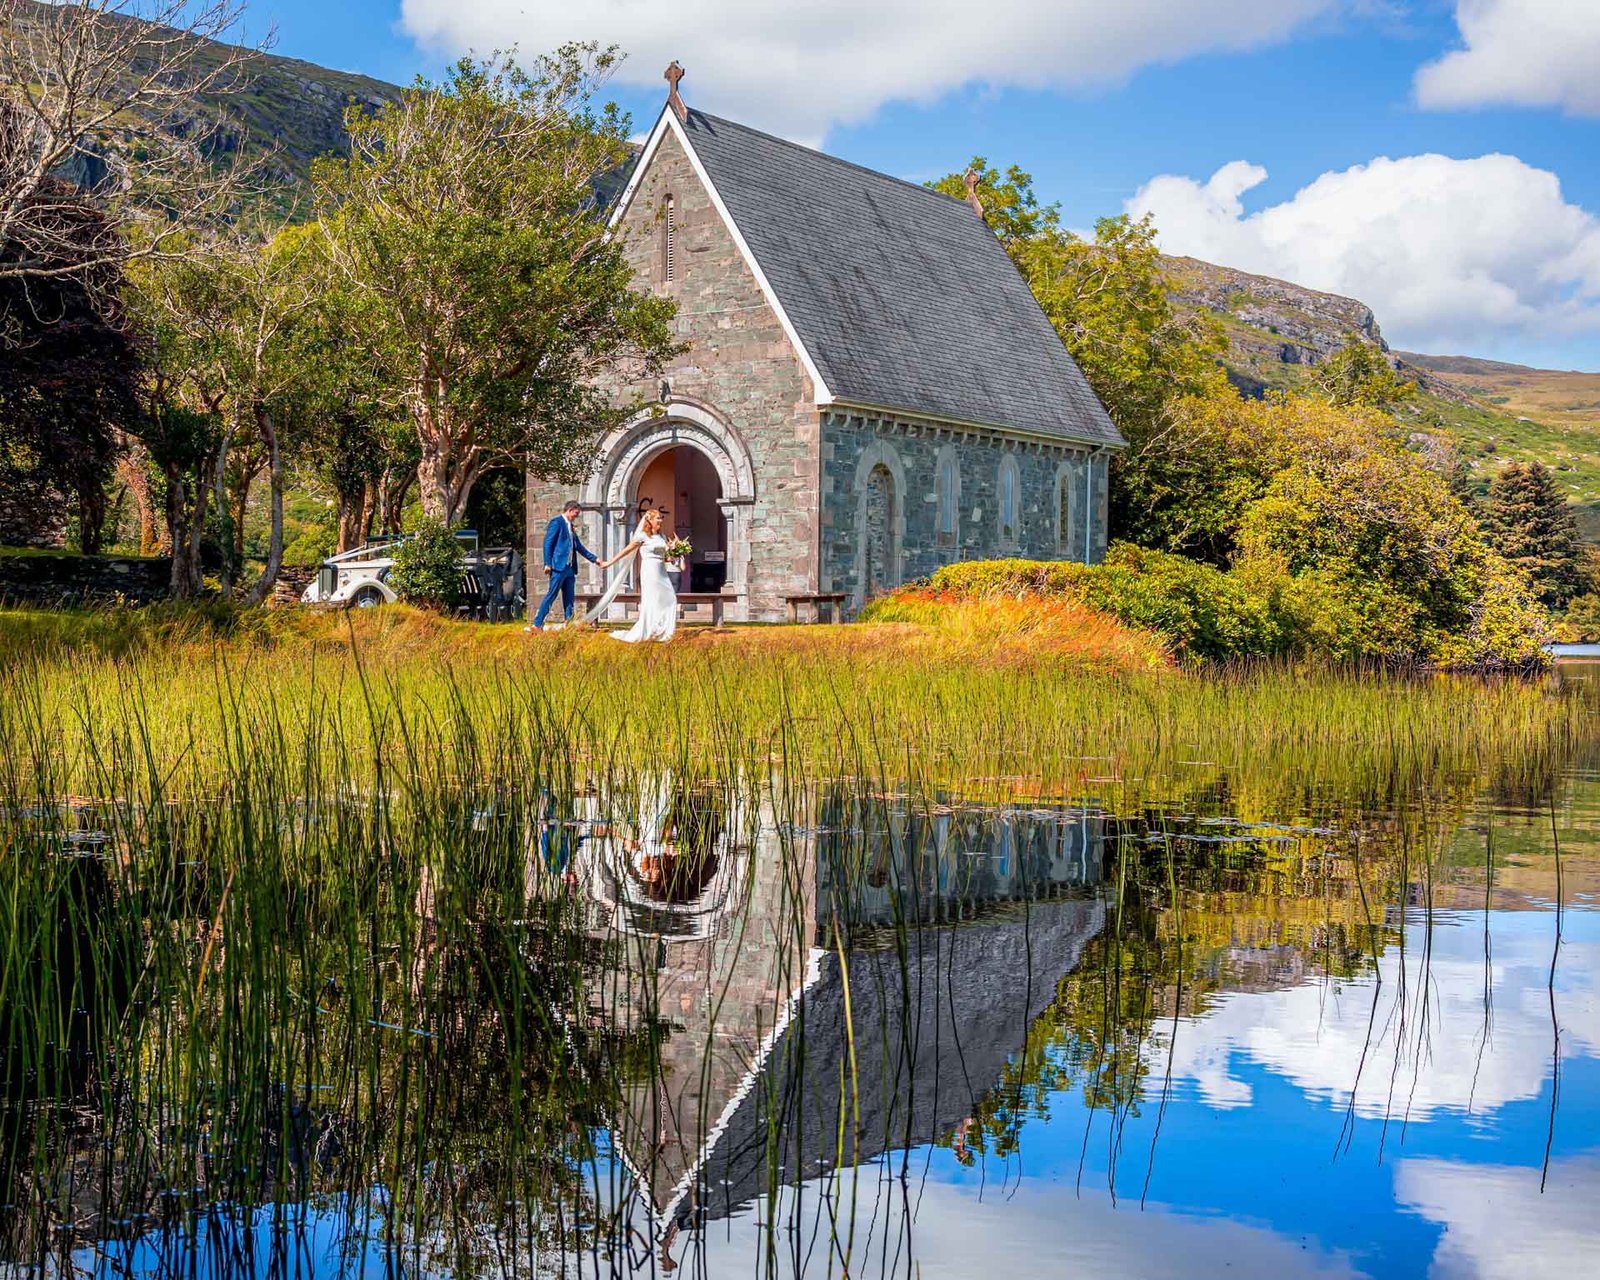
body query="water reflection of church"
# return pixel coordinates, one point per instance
(867, 975)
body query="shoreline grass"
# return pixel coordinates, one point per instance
(893, 703)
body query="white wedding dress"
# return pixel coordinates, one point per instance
(658, 600)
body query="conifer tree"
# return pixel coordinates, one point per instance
(1528, 519)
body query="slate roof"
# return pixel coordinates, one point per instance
(903, 297)
(933, 1029)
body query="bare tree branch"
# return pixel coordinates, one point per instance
(77, 72)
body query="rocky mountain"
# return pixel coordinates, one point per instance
(1275, 321)
(296, 109)
(282, 111)
(1277, 331)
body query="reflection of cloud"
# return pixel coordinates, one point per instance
(1498, 1224)
(1425, 1036)
(1035, 1230)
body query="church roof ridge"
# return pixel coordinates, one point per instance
(899, 297)
(868, 170)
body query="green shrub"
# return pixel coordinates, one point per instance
(1012, 577)
(314, 545)
(1583, 618)
(1478, 611)
(1199, 610)
(427, 567)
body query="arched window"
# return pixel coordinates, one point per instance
(878, 520)
(669, 249)
(1010, 501)
(949, 493)
(1066, 511)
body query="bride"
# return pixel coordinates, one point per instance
(658, 601)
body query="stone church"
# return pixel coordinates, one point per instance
(870, 390)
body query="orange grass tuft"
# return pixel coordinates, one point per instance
(1025, 627)
(911, 625)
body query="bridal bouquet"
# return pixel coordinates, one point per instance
(679, 549)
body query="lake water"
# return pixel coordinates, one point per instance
(1300, 1030)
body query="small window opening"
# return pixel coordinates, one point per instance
(668, 248)
(1008, 501)
(948, 498)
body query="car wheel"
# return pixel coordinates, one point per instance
(366, 598)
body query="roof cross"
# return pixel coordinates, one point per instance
(674, 73)
(973, 198)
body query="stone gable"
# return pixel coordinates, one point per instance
(740, 364)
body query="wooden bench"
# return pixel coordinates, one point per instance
(831, 602)
(587, 600)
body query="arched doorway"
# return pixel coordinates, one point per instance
(685, 481)
(686, 434)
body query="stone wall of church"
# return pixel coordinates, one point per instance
(740, 365)
(925, 467)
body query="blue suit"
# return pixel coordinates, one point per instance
(562, 547)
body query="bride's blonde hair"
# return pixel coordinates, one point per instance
(654, 514)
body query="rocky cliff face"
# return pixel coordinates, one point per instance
(1278, 331)
(282, 109)
(1298, 325)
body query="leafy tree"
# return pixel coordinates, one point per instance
(463, 223)
(369, 460)
(1529, 520)
(427, 566)
(1108, 299)
(1384, 546)
(232, 313)
(1360, 374)
(365, 448)
(70, 378)
(498, 510)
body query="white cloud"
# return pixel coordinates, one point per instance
(1452, 254)
(941, 1231)
(1413, 1045)
(800, 68)
(1533, 53)
(1499, 1224)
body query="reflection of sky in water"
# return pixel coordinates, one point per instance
(1267, 1158)
(1427, 1019)
(1263, 1167)
(320, 1238)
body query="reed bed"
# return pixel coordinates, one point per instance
(285, 921)
(368, 694)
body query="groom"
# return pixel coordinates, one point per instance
(562, 547)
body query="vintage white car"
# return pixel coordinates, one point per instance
(491, 579)
(357, 578)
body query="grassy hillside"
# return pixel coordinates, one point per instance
(1497, 413)
(1562, 398)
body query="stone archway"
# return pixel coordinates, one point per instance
(713, 450)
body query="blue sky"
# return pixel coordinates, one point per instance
(1482, 234)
